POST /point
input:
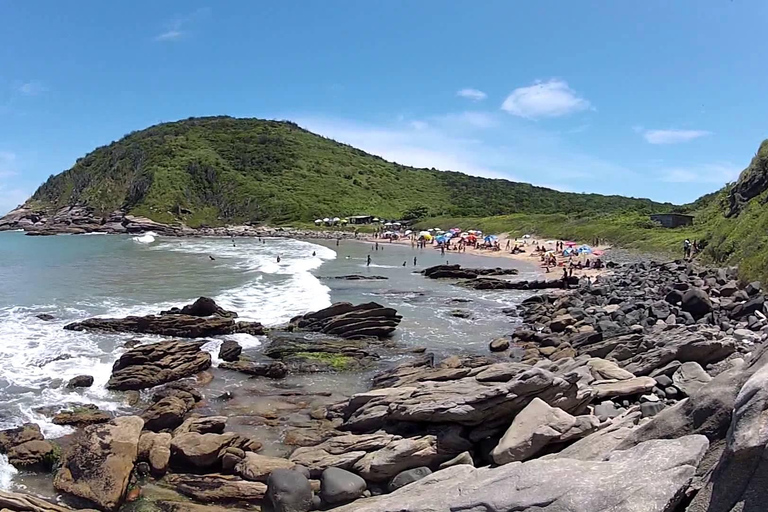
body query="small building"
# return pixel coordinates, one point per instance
(672, 220)
(361, 219)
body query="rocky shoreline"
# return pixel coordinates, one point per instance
(77, 220)
(642, 390)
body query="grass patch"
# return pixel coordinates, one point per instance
(338, 362)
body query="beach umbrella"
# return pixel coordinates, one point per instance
(430, 230)
(387, 223)
(375, 219)
(408, 231)
(424, 233)
(550, 242)
(597, 252)
(526, 236)
(464, 234)
(478, 232)
(549, 253)
(318, 221)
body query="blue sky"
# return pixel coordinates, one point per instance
(654, 99)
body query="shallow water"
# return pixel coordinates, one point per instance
(75, 277)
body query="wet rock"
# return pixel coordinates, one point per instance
(147, 366)
(289, 491)
(351, 321)
(230, 351)
(15, 436)
(537, 426)
(650, 477)
(202, 307)
(461, 313)
(202, 425)
(82, 415)
(167, 413)
(276, 370)
(499, 345)
(462, 458)
(338, 486)
(45, 317)
(33, 455)
(690, 377)
(214, 487)
(81, 381)
(309, 353)
(18, 502)
(179, 326)
(258, 467)
(98, 464)
(156, 450)
(359, 277)
(456, 272)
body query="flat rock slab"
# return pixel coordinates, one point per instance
(647, 478)
(99, 463)
(216, 488)
(176, 325)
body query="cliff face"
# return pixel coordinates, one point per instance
(752, 182)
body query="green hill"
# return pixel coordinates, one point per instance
(219, 170)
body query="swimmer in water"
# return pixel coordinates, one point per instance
(314, 253)
(368, 264)
(212, 258)
(278, 259)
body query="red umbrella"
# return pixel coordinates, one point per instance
(570, 244)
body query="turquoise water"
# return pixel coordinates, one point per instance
(75, 277)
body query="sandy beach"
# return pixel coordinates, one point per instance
(530, 256)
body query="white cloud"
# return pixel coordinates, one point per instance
(419, 125)
(472, 119)
(472, 94)
(31, 88)
(544, 99)
(671, 136)
(178, 28)
(719, 173)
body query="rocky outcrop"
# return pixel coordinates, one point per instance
(230, 351)
(487, 283)
(165, 414)
(752, 182)
(257, 467)
(19, 502)
(81, 415)
(274, 370)
(650, 477)
(150, 365)
(457, 272)
(81, 381)
(369, 320)
(98, 464)
(15, 436)
(204, 451)
(176, 325)
(33, 455)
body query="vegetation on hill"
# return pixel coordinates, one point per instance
(219, 170)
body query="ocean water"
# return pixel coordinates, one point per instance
(76, 277)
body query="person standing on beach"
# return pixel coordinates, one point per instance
(414, 261)
(368, 263)
(377, 246)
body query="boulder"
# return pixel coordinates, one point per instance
(81, 381)
(399, 455)
(150, 365)
(230, 350)
(257, 467)
(690, 377)
(499, 345)
(167, 413)
(599, 445)
(696, 302)
(201, 307)
(15, 436)
(338, 486)
(98, 464)
(537, 426)
(351, 321)
(202, 451)
(156, 450)
(649, 409)
(289, 491)
(214, 487)
(650, 477)
(339, 451)
(204, 425)
(607, 370)
(559, 323)
(408, 477)
(33, 455)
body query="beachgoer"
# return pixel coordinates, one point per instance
(278, 258)
(442, 250)
(368, 263)
(212, 258)
(377, 246)
(414, 261)
(686, 248)
(314, 253)
(404, 263)
(339, 239)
